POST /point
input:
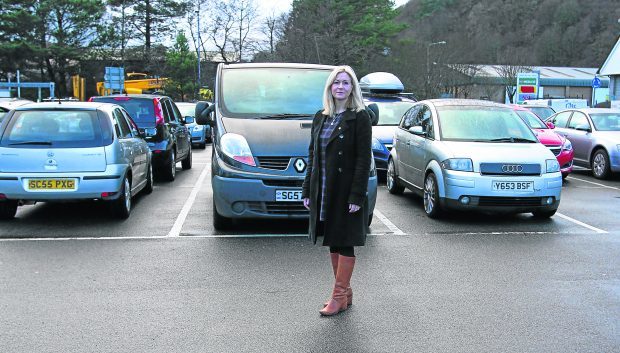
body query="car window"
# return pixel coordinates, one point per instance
(391, 113)
(542, 112)
(606, 121)
(410, 118)
(55, 128)
(122, 128)
(165, 105)
(531, 119)
(141, 110)
(425, 119)
(187, 109)
(578, 120)
(482, 124)
(175, 111)
(130, 122)
(561, 119)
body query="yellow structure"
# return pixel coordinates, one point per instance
(78, 87)
(136, 83)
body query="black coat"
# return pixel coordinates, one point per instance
(348, 157)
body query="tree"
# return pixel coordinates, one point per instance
(179, 62)
(508, 76)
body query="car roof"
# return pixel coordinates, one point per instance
(597, 110)
(142, 96)
(65, 105)
(464, 102)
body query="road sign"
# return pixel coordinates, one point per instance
(114, 78)
(596, 82)
(527, 86)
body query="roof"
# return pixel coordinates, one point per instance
(598, 110)
(611, 66)
(63, 105)
(551, 75)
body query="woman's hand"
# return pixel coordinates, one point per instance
(307, 203)
(353, 208)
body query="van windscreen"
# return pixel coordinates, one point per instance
(253, 92)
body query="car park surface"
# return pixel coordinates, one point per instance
(473, 155)
(164, 128)
(70, 152)
(201, 134)
(595, 136)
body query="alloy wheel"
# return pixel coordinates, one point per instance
(429, 194)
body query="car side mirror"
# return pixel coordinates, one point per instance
(203, 112)
(417, 130)
(189, 120)
(373, 111)
(550, 125)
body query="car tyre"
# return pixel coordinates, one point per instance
(431, 196)
(392, 183)
(149, 180)
(543, 214)
(370, 219)
(121, 207)
(169, 170)
(600, 164)
(186, 163)
(220, 222)
(8, 209)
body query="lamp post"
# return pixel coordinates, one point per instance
(428, 65)
(198, 49)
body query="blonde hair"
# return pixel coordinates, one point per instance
(354, 101)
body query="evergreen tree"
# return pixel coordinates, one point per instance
(180, 62)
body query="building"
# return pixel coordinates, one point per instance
(611, 68)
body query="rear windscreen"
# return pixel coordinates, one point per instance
(55, 128)
(141, 110)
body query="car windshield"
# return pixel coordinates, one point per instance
(56, 128)
(186, 109)
(542, 112)
(272, 92)
(390, 113)
(531, 119)
(606, 121)
(141, 110)
(482, 124)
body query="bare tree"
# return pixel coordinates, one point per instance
(244, 16)
(508, 76)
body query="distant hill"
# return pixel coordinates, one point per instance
(577, 33)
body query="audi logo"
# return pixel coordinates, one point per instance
(512, 168)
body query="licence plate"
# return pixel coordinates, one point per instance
(51, 184)
(288, 195)
(513, 185)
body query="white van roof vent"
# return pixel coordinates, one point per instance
(381, 82)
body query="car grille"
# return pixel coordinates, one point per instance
(507, 201)
(497, 169)
(555, 149)
(277, 163)
(278, 208)
(284, 183)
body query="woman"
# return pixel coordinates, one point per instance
(334, 189)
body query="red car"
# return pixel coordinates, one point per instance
(558, 144)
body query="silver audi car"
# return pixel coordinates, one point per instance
(473, 155)
(595, 136)
(55, 152)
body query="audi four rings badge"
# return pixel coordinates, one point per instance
(512, 168)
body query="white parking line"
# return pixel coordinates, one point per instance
(581, 223)
(591, 182)
(178, 224)
(387, 223)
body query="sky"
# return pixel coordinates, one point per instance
(267, 7)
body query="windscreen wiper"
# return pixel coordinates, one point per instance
(43, 143)
(512, 139)
(284, 116)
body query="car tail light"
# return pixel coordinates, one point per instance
(159, 115)
(108, 194)
(91, 99)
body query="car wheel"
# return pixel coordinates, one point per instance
(544, 214)
(8, 209)
(149, 180)
(121, 207)
(600, 164)
(169, 170)
(220, 222)
(392, 180)
(431, 196)
(186, 163)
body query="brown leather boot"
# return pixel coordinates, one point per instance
(338, 302)
(334, 257)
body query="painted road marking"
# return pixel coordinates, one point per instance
(581, 223)
(598, 184)
(387, 223)
(178, 224)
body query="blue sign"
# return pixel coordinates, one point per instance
(596, 82)
(114, 78)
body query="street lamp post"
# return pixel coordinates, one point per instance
(198, 49)
(428, 65)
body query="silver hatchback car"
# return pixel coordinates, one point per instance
(595, 135)
(72, 151)
(473, 155)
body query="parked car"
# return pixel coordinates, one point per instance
(6, 104)
(200, 133)
(558, 144)
(383, 93)
(261, 120)
(164, 127)
(72, 151)
(595, 135)
(473, 155)
(542, 111)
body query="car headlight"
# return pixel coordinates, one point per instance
(236, 147)
(552, 165)
(567, 146)
(377, 145)
(461, 164)
(197, 128)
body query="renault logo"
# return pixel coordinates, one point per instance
(512, 168)
(300, 165)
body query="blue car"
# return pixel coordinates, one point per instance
(201, 134)
(382, 92)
